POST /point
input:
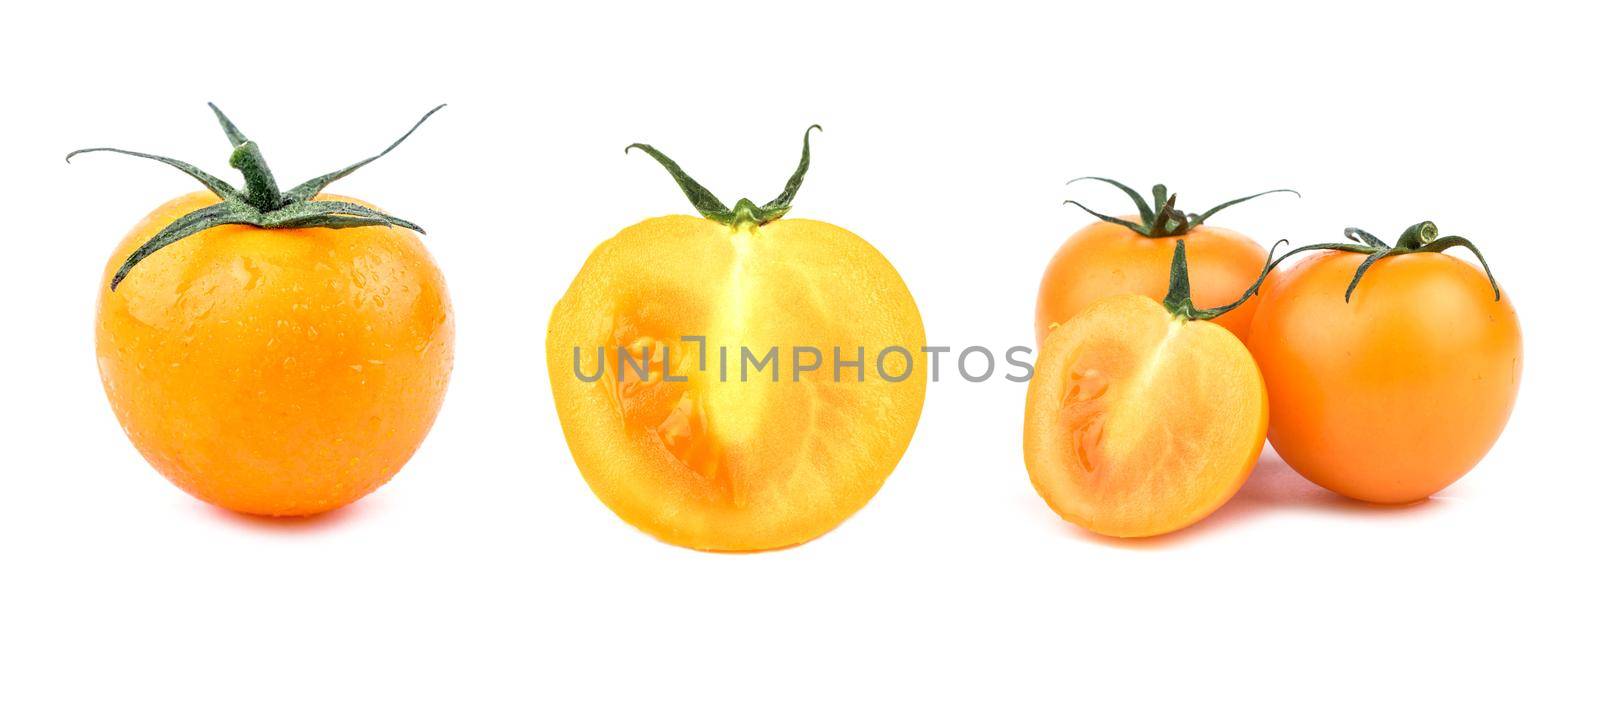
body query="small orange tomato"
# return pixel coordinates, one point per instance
(1392, 370)
(288, 355)
(1130, 255)
(1142, 418)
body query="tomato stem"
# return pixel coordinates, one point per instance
(260, 188)
(1160, 217)
(744, 212)
(261, 204)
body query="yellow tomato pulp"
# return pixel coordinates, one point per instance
(729, 458)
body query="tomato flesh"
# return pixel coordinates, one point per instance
(730, 458)
(1138, 423)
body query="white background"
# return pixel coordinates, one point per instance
(487, 580)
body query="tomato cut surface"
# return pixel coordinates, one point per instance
(705, 448)
(1139, 423)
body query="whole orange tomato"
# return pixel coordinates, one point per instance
(273, 352)
(1391, 370)
(1131, 254)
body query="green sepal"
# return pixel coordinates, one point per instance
(779, 205)
(308, 189)
(261, 204)
(1199, 219)
(329, 214)
(234, 135)
(216, 185)
(703, 200)
(1419, 237)
(1146, 215)
(1443, 243)
(1361, 271)
(744, 212)
(192, 223)
(1179, 300)
(1140, 228)
(1160, 216)
(332, 213)
(1356, 234)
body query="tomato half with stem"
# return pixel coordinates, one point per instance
(1143, 417)
(1392, 370)
(1131, 255)
(728, 382)
(272, 352)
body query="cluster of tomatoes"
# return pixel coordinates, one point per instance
(1381, 372)
(283, 352)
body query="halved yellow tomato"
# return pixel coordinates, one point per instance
(736, 381)
(1142, 420)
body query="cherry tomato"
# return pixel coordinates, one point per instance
(1391, 370)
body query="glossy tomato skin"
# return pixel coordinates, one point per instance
(1105, 259)
(1395, 395)
(275, 372)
